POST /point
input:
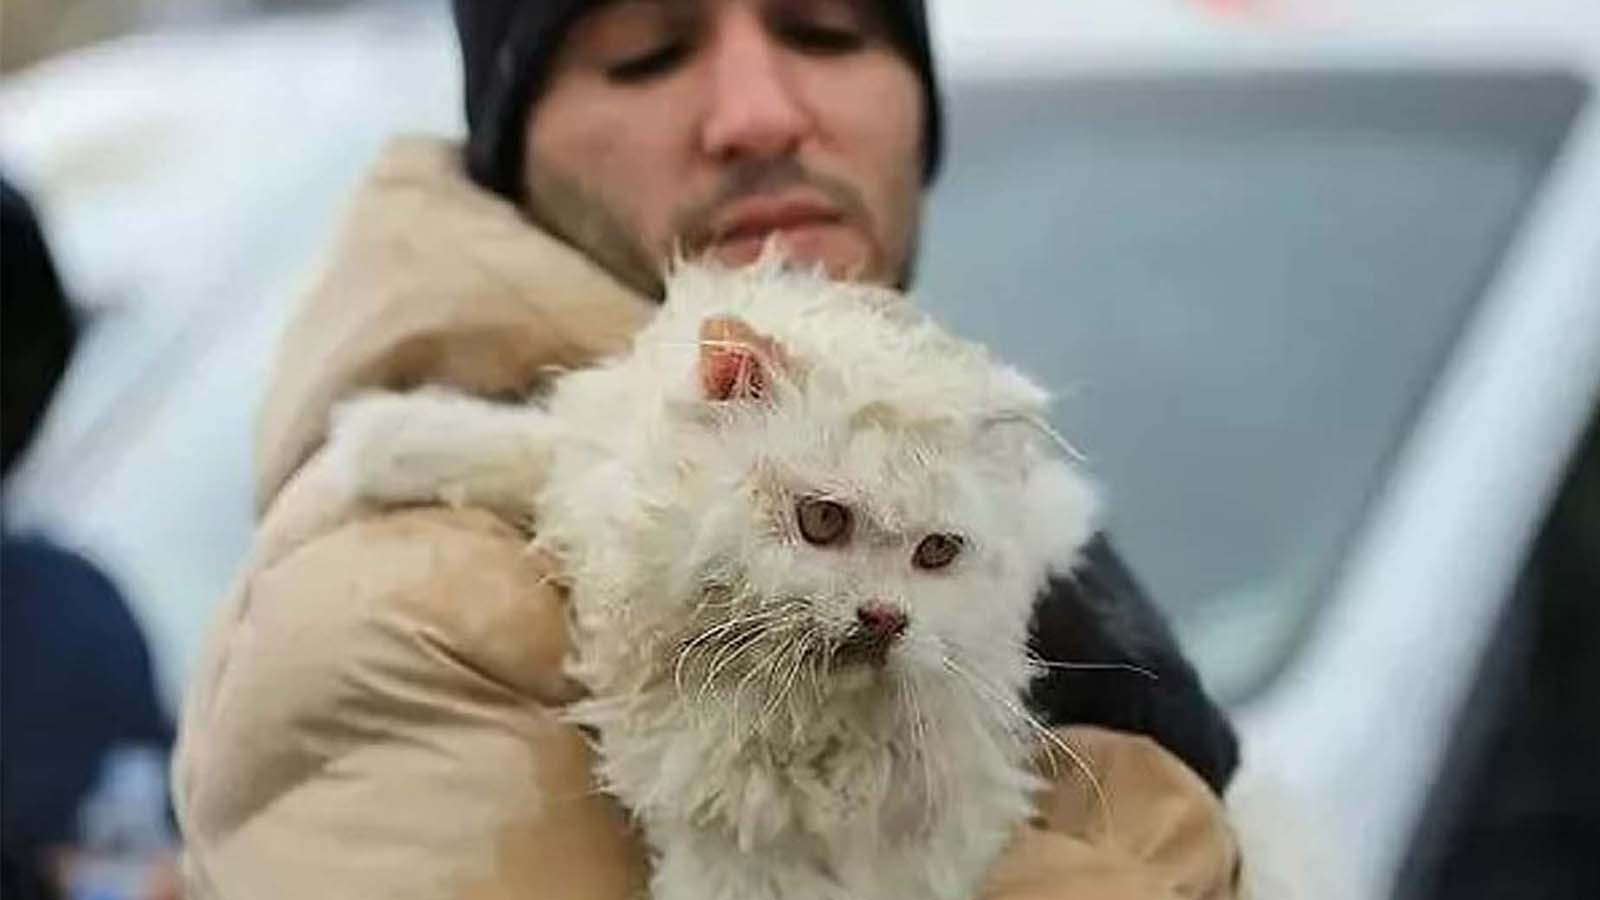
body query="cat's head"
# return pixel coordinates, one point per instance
(857, 496)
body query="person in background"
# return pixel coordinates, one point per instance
(83, 739)
(378, 712)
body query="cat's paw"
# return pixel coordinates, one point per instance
(437, 446)
(365, 448)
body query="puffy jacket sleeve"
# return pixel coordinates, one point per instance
(377, 722)
(1145, 828)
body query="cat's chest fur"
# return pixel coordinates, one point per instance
(840, 805)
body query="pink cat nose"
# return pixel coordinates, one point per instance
(882, 620)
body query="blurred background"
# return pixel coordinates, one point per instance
(1318, 281)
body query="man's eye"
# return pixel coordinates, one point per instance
(646, 66)
(826, 40)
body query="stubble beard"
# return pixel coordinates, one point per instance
(563, 207)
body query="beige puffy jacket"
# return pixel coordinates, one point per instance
(377, 714)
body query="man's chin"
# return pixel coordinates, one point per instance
(839, 250)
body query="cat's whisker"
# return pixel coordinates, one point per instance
(932, 784)
(994, 708)
(1039, 729)
(1044, 428)
(725, 657)
(765, 616)
(715, 631)
(785, 669)
(784, 678)
(809, 672)
(765, 669)
(736, 719)
(781, 678)
(761, 666)
(820, 661)
(1017, 714)
(686, 653)
(1141, 671)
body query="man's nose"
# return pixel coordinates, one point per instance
(753, 110)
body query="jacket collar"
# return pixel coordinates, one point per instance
(433, 280)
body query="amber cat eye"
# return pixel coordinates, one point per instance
(937, 551)
(822, 522)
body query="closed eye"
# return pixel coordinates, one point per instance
(645, 66)
(825, 27)
(822, 40)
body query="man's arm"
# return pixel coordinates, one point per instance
(1103, 616)
(381, 722)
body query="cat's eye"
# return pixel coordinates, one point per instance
(822, 522)
(937, 551)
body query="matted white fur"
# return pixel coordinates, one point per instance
(762, 761)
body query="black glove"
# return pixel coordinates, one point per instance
(1102, 616)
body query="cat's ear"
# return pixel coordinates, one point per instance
(736, 361)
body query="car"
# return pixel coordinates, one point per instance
(1323, 314)
(1327, 323)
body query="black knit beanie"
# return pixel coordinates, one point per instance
(507, 47)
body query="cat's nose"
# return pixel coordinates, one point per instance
(882, 620)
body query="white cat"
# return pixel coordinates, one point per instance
(803, 529)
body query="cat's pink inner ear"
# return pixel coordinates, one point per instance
(736, 361)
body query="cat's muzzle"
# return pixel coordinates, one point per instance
(877, 629)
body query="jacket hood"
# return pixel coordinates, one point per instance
(433, 280)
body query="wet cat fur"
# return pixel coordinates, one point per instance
(769, 745)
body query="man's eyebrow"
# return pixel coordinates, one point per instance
(670, 5)
(674, 8)
(868, 13)
(664, 10)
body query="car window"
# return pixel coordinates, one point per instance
(1241, 289)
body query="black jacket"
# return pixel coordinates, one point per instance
(1103, 616)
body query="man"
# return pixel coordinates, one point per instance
(379, 712)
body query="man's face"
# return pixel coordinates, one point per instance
(706, 127)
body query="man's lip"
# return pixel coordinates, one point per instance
(760, 217)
